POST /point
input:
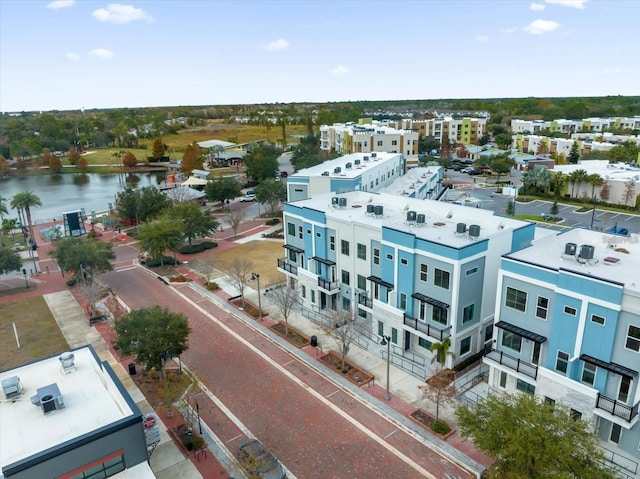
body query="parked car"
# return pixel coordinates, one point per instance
(456, 167)
(248, 197)
(474, 172)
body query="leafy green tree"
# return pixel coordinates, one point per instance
(76, 254)
(511, 208)
(502, 165)
(157, 149)
(9, 261)
(538, 179)
(129, 160)
(161, 235)
(426, 145)
(151, 334)
(532, 440)
(196, 222)
(73, 156)
(271, 193)
(307, 153)
(222, 188)
(442, 351)
(627, 152)
(484, 139)
(574, 153)
(262, 162)
(141, 204)
(503, 140)
(554, 209)
(25, 200)
(558, 183)
(3, 212)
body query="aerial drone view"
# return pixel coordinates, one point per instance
(319, 239)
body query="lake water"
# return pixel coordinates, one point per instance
(72, 192)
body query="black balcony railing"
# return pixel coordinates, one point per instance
(290, 268)
(365, 301)
(516, 364)
(429, 330)
(617, 408)
(329, 286)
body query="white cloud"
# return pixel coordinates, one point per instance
(537, 7)
(58, 4)
(339, 70)
(579, 4)
(538, 27)
(279, 44)
(120, 14)
(73, 56)
(482, 38)
(508, 30)
(101, 53)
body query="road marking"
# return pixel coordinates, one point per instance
(234, 438)
(391, 433)
(334, 392)
(120, 270)
(629, 218)
(289, 362)
(615, 216)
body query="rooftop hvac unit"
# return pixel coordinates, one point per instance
(337, 169)
(411, 216)
(421, 219)
(325, 173)
(474, 230)
(48, 398)
(348, 166)
(357, 162)
(586, 251)
(334, 200)
(374, 154)
(342, 202)
(570, 249)
(370, 209)
(365, 158)
(12, 387)
(67, 362)
(378, 210)
(461, 228)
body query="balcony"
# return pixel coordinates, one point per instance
(329, 287)
(516, 364)
(364, 301)
(617, 408)
(429, 330)
(287, 267)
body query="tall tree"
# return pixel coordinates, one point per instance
(25, 200)
(539, 179)
(129, 160)
(76, 254)
(9, 261)
(605, 190)
(55, 165)
(502, 165)
(4, 211)
(271, 193)
(440, 389)
(344, 334)
(160, 235)
(157, 149)
(594, 180)
(141, 204)
(558, 182)
(191, 159)
(531, 440)
(222, 188)
(151, 334)
(73, 156)
(239, 271)
(197, 223)
(262, 162)
(574, 153)
(576, 178)
(234, 218)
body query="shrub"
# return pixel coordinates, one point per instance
(272, 221)
(440, 427)
(155, 262)
(92, 235)
(71, 282)
(197, 248)
(212, 285)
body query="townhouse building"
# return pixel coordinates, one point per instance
(455, 129)
(69, 417)
(367, 136)
(573, 126)
(567, 329)
(419, 271)
(532, 144)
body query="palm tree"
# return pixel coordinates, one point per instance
(442, 351)
(3, 211)
(538, 178)
(25, 200)
(594, 180)
(558, 182)
(576, 178)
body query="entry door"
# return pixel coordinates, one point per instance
(323, 300)
(535, 356)
(407, 340)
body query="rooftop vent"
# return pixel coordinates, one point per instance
(67, 362)
(342, 202)
(411, 216)
(337, 169)
(378, 210)
(334, 200)
(48, 398)
(325, 173)
(421, 219)
(12, 387)
(357, 162)
(586, 251)
(348, 166)
(474, 231)
(370, 209)
(374, 154)
(365, 158)
(570, 249)
(461, 228)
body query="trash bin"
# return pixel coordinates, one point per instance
(132, 369)
(314, 341)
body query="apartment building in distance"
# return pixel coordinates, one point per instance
(531, 144)
(368, 136)
(587, 125)
(419, 271)
(567, 329)
(70, 417)
(465, 130)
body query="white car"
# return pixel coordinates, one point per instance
(248, 197)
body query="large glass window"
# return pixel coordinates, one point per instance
(511, 340)
(362, 282)
(589, 374)
(380, 328)
(439, 315)
(525, 387)
(345, 277)
(107, 467)
(633, 338)
(441, 278)
(468, 313)
(562, 362)
(402, 303)
(362, 251)
(423, 343)
(344, 247)
(542, 307)
(616, 433)
(465, 346)
(423, 272)
(293, 256)
(394, 335)
(291, 229)
(516, 299)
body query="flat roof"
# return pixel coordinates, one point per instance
(616, 258)
(608, 171)
(353, 172)
(441, 219)
(91, 398)
(414, 179)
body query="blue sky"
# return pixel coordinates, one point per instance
(67, 54)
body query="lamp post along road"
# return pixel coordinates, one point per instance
(256, 277)
(386, 341)
(24, 271)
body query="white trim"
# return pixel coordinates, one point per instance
(582, 321)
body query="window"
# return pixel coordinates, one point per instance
(293, 256)
(313, 296)
(379, 143)
(441, 278)
(488, 333)
(423, 272)
(623, 390)
(439, 315)
(102, 468)
(362, 251)
(550, 402)
(471, 271)
(525, 387)
(423, 343)
(300, 232)
(569, 310)
(402, 304)
(575, 414)
(542, 307)
(562, 362)
(503, 379)
(345, 277)
(465, 346)
(362, 282)
(346, 304)
(589, 374)
(404, 262)
(597, 319)
(362, 313)
(380, 328)
(308, 231)
(394, 335)
(516, 299)
(633, 338)
(616, 433)
(376, 256)
(291, 229)
(332, 243)
(467, 313)
(389, 256)
(319, 235)
(344, 247)
(304, 292)
(511, 341)
(394, 142)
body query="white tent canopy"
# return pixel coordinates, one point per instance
(193, 181)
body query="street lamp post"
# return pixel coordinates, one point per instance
(386, 341)
(24, 271)
(256, 277)
(593, 211)
(199, 423)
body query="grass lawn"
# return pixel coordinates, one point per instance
(263, 256)
(38, 332)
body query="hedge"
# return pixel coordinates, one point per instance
(197, 248)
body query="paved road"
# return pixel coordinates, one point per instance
(315, 426)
